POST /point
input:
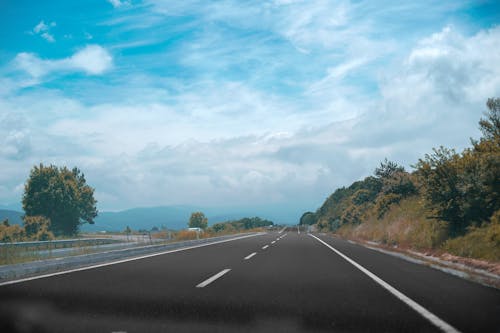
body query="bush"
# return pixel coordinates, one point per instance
(480, 242)
(37, 228)
(11, 233)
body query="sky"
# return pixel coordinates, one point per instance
(237, 103)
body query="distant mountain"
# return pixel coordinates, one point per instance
(172, 217)
(177, 217)
(14, 217)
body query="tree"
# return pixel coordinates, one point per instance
(308, 218)
(62, 196)
(198, 220)
(388, 169)
(490, 127)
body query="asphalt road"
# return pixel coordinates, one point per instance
(297, 283)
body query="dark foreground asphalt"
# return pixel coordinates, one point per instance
(295, 284)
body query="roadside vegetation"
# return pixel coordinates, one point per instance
(449, 202)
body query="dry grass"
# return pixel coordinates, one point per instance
(404, 224)
(481, 243)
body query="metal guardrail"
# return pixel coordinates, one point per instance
(43, 266)
(61, 243)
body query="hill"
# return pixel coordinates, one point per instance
(177, 217)
(450, 202)
(14, 217)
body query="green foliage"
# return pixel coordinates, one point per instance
(388, 169)
(37, 228)
(480, 242)
(348, 205)
(245, 223)
(218, 227)
(198, 220)
(308, 218)
(60, 195)
(490, 127)
(462, 189)
(384, 203)
(452, 197)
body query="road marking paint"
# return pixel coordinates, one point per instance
(212, 279)
(282, 230)
(273, 242)
(125, 260)
(265, 247)
(444, 326)
(250, 255)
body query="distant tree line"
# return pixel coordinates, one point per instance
(242, 224)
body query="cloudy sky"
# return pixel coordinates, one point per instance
(237, 102)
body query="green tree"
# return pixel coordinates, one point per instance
(308, 218)
(464, 189)
(198, 220)
(490, 127)
(387, 169)
(62, 196)
(218, 227)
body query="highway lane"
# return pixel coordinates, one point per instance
(294, 284)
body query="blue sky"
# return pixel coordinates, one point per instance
(237, 102)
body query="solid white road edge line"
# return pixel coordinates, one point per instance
(250, 255)
(213, 278)
(444, 326)
(265, 247)
(124, 260)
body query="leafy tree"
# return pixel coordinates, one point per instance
(62, 196)
(198, 220)
(490, 127)
(6, 223)
(387, 169)
(218, 227)
(308, 218)
(464, 189)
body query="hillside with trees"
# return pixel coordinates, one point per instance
(450, 201)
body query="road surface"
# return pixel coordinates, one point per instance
(280, 282)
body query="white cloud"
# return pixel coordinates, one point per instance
(92, 60)
(43, 30)
(40, 27)
(48, 37)
(119, 3)
(154, 140)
